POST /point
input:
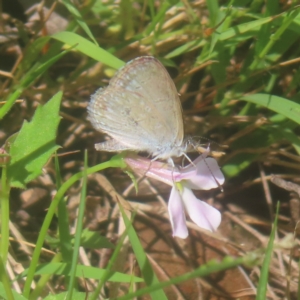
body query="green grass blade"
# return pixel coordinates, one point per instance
(35, 72)
(109, 269)
(63, 269)
(205, 270)
(159, 16)
(144, 263)
(4, 204)
(88, 48)
(6, 288)
(252, 26)
(77, 16)
(78, 230)
(44, 279)
(65, 238)
(264, 274)
(116, 161)
(285, 107)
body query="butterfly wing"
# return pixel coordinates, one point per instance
(140, 108)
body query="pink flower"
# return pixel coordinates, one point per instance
(203, 174)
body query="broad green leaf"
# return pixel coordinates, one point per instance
(34, 144)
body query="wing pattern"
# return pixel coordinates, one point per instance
(140, 109)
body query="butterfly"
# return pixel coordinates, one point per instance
(140, 110)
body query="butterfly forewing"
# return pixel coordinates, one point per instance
(140, 108)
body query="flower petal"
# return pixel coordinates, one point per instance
(153, 169)
(204, 215)
(176, 213)
(205, 176)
